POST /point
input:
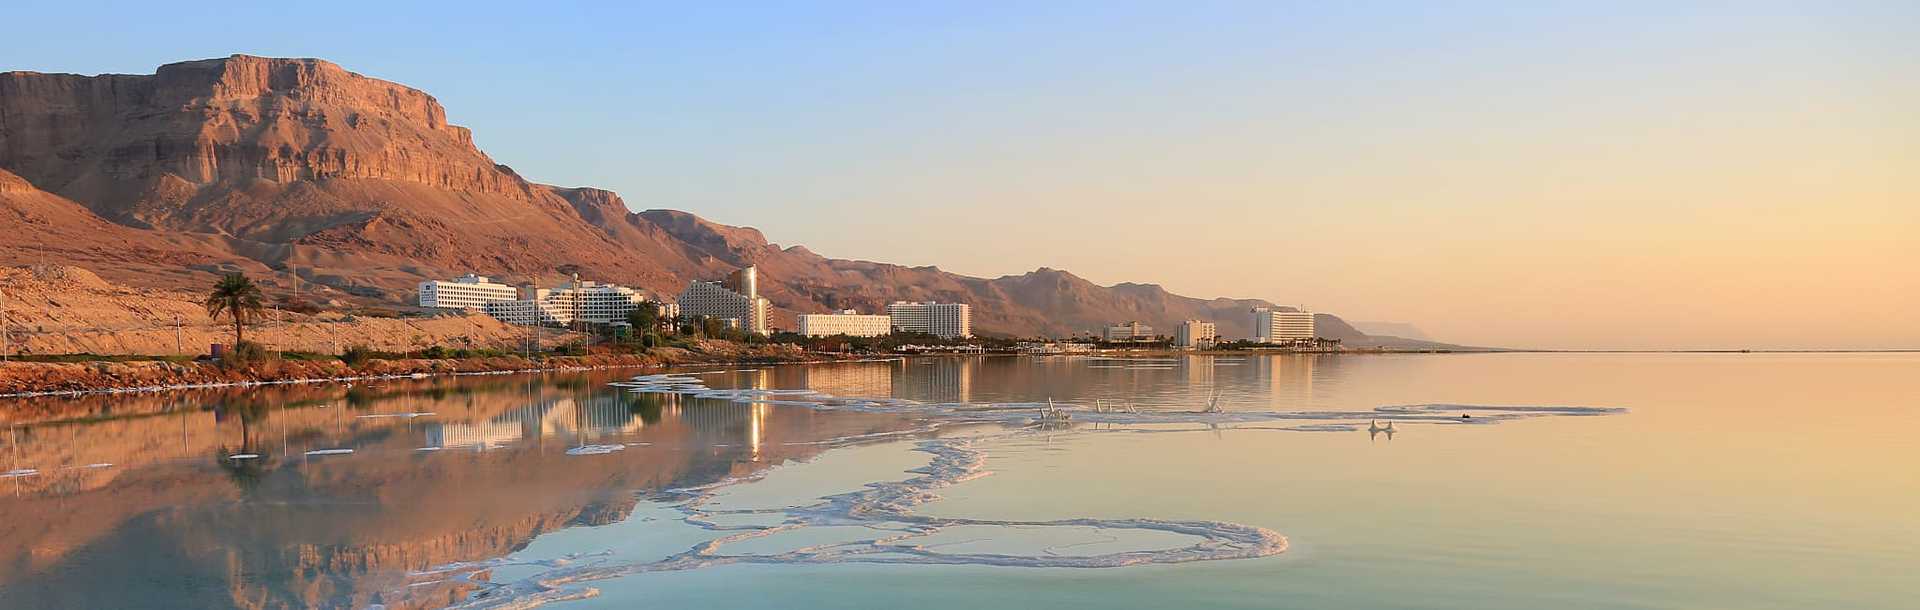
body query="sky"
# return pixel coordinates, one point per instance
(1611, 175)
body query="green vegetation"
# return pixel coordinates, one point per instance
(245, 353)
(238, 298)
(356, 355)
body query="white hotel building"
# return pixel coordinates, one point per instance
(1275, 326)
(1128, 331)
(1195, 334)
(944, 320)
(465, 292)
(581, 301)
(846, 323)
(594, 302)
(736, 299)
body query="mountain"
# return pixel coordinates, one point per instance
(285, 167)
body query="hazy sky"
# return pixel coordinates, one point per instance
(1522, 174)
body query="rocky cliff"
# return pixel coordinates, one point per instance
(360, 187)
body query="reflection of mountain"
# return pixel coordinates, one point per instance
(169, 522)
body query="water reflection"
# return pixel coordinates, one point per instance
(327, 495)
(290, 523)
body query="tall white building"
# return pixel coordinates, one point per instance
(847, 323)
(944, 320)
(1195, 334)
(465, 292)
(1129, 331)
(1275, 326)
(736, 298)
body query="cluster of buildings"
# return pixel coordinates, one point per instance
(735, 301)
(575, 301)
(944, 320)
(1270, 326)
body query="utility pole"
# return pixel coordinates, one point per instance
(5, 347)
(179, 347)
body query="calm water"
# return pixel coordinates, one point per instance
(1735, 481)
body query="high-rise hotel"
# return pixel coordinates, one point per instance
(1277, 326)
(735, 299)
(944, 320)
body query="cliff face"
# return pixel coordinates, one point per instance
(359, 186)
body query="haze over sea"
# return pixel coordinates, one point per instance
(1723, 480)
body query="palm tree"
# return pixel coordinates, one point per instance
(238, 298)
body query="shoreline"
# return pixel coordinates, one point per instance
(24, 380)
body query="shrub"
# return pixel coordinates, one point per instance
(356, 355)
(434, 353)
(245, 353)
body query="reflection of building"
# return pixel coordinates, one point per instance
(603, 414)
(1128, 331)
(845, 323)
(1199, 372)
(484, 434)
(851, 380)
(1290, 379)
(1276, 326)
(737, 298)
(465, 292)
(945, 320)
(935, 379)
(1194, 334)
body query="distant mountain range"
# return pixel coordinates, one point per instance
(284, 167)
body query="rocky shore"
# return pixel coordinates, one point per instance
(42, 378)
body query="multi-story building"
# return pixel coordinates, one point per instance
(575, 301)
(1128, 331)
(846, 322)
(537, 310)
(1195, 334)
(736, 298)
(945, 320)
(465, 292)
(594, 302)
(1277, 326)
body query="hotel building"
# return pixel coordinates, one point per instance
(1276, 326)
(576, 301)
(845, 323)
(1128, 331)
(465, 292)
(944, 320)
(1195, 334)
(527, 312)
(736, 298)
(594, 302)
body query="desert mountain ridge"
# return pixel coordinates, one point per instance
(359, 187)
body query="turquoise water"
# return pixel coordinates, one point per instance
(1732, 481)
